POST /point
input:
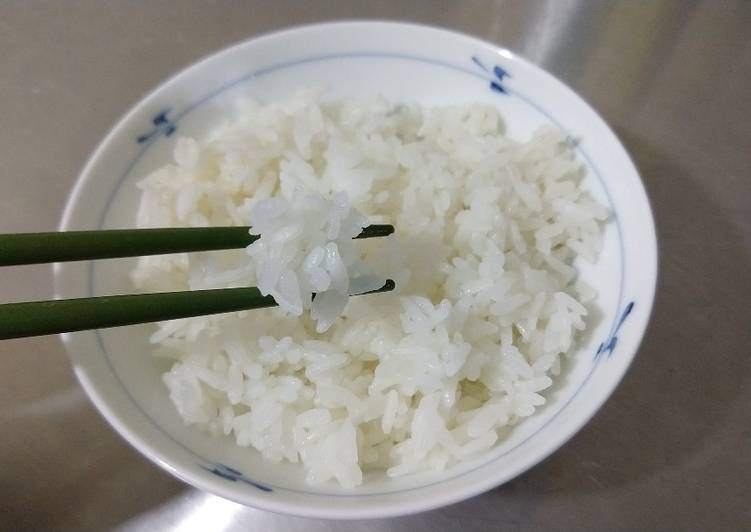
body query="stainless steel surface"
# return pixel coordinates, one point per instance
(669, 451)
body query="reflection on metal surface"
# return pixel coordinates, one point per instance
(193, 512)
(211, 513)
(613, 51)
(554, 27)
(56, 404)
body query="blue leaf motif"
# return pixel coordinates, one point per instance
(608, 346)
(476, 60)
(496, 75)
(500, 73)
(234, 475)
(497, 87)
(163, 125)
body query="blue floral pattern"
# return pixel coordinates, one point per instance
(497, 75)
(609, 344)
(234, 475)
(163, 125)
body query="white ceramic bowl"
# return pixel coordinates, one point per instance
(402, 62)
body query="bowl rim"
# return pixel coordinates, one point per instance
(407, 506)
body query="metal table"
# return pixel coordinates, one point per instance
(669, 451)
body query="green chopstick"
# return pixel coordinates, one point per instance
(38, 248)
(18, 320)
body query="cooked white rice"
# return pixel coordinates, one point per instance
(417, 379)
(305, 248)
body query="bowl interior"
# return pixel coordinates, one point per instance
(402, 63)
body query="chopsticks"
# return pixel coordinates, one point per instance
(18, 320)
(36, 318)
(39, 248)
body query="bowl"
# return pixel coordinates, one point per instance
(401, 62)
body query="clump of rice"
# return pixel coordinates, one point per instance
(486, 303)
(305, 248)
